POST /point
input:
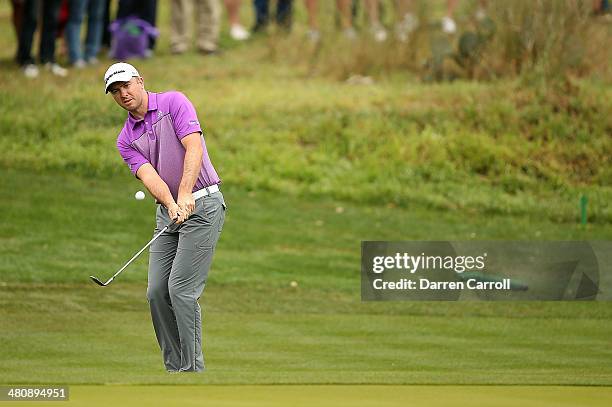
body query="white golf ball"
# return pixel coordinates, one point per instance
(139, 195)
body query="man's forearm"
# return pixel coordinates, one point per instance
(156, 186)
(191, 169)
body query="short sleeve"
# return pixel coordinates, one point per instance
(184, 116)
(132, 157)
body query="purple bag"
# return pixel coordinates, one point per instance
(130, 38)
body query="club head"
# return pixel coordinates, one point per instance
(95, 280)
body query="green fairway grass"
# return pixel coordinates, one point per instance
(58, 326)
(68, 227)
(73, 334)
(337, 396)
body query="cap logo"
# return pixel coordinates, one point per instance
(113, 74)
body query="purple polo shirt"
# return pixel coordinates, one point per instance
(156, 139)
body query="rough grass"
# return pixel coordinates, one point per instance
(497, 147)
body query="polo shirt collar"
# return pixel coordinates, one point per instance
(152, 105)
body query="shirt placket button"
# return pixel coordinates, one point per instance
(150, 131)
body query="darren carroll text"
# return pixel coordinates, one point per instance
(425, 284)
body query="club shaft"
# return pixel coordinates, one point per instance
(137, 254)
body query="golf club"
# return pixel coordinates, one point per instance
(97, 281)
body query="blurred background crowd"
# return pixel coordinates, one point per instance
(124, 29)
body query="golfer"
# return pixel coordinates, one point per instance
(162, 144)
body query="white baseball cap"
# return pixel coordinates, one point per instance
(119, 72)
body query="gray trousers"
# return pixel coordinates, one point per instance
(179, 261)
